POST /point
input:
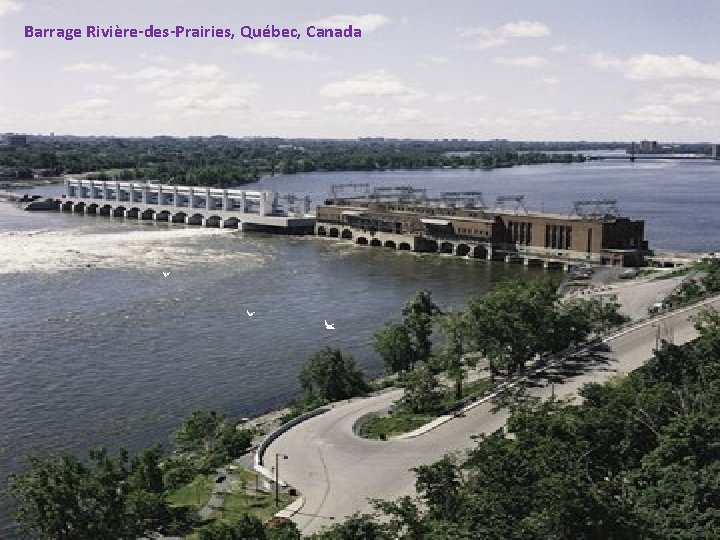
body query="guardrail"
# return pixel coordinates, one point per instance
(268, 440)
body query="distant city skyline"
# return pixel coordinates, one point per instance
(540, 70)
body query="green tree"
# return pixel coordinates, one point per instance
(420, 391)
(64, 498)
(356, 527)
(246, 527)
(418, 314)
(330, 376)
(395, 346)
(453, 326)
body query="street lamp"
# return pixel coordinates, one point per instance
(277, 477)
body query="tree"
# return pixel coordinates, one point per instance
(146, 471)
(454, 329)
(213, 438)
(198, 431)
(330, 376)
(63, 498)
(421, 391)
(246, 527)
(356, 527)
(439, 487)
(395, 346)
(418, 314)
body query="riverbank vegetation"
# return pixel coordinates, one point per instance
(704, 281)
(222, 162)
(497, 336)
(638, 457)
(117, 497)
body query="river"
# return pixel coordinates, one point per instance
(98, 347)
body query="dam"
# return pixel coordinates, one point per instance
(192, 205)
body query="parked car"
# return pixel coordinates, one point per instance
(629, 273)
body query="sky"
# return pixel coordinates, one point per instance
(479, 69)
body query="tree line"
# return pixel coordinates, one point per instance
(226, 162)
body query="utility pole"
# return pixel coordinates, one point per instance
(277, 477)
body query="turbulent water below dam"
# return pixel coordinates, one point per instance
(97, 346)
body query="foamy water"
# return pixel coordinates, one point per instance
(54, 251)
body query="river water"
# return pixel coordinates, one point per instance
(97, 347)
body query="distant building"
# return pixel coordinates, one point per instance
(715, 151)
(648, 146)
(15, 140)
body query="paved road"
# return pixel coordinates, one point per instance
(337, 472)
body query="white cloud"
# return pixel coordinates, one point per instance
(525, 29)
(82, 67)
(485, 38)
(661, 114)
(100, 88)
(85, 110)
(466, 98)
(374, 83)
(9, 6)
(348, 111)
(156, 58)
(288, 115)
(367, 23)
(653, 66)
(551, 81)
(279, 52)
(559, 48)
(4, 55)
(192, 89)
(437, 60)
(521, 61)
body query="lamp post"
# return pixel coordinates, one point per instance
(277, 477)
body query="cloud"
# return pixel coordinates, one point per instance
(100, 88)
(662, 114)
(525, 29)
(85, 110)
(279, 52)
(4, 55)
(485, 38)
(156, 58)
(521, 61)
(367, 23)
(684, 94)
(551, 81)
(437, 60)
(192, 89)
(466, 98)
(288, 115)
(81, 67)
(365, 114)
(559, 48)
(645, 67)
(9, 6)
(375, 83)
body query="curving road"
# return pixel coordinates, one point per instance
(337, 471)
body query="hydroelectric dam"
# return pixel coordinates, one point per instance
(192, 205)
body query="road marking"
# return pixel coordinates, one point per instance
(166, 274)
(329, 326)
(250, 313)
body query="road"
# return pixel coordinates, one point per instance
(337, 472)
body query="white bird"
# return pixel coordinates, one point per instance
(329, 326)
(250, 313)
(166, 274)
